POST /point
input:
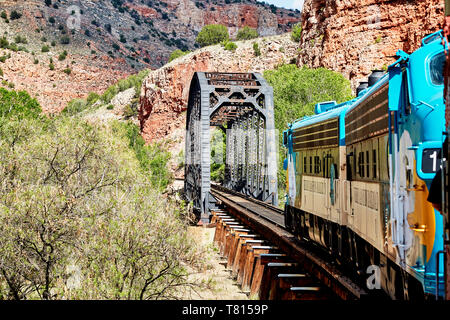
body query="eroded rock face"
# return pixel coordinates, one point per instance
(165, 91)
(356, 36)
(107, 40)
(54, 88)
(142, 33)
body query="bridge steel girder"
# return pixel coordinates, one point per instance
(243, 103)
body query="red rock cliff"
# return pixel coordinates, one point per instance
(357, 36)
(165, 91)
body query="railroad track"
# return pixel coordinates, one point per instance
(269, 262)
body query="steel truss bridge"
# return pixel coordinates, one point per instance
(241, 105)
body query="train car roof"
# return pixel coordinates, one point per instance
(309, 120)
(340, 109)
(368, 92)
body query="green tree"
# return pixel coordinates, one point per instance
(79, 220)
(18, 105)
(296, 34)
(296, 91)
(212, 34)
(247, 33)
(218, 155)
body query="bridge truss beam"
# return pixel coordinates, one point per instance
(241, 104)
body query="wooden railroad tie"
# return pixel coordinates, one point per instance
(229, 238)
(269, 283)
(236, 235)
(253, 263)
(237, 255)
(225, 234)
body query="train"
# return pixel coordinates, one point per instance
(359, 175)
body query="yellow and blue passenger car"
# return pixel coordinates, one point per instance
(359, 174)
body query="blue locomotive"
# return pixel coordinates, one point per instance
(359, 175)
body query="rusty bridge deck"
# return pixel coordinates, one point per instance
(243, 216)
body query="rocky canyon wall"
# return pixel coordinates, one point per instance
(165, 91)
(356, 36)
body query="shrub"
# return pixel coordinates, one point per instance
(92, 98)
(15, 15)
(62, 55)
(20, 39)
(247, 33)
(5, 57)
(4, 43)
(1, 72)
(45, 48)
(177, 53)
(74, 107)
(229, 45)
(13, 47)
(152, 158)
(212, 34)
(52, 20)
(124, 84)
(51, 66)
(296, 34)
(94, 212)
(67, 71)
(110, 93)
(256, 49)
(4, 15)
(65, 40)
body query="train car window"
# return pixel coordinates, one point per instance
(437, 69)
(359, 164)
(324, 166)
(310, 165)
(305, 167)
(320, 164)
(368, 164)
(349, 158)
(285, 139)
(362, 165)
(406, 94)
(316, 165)
(374, 162)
